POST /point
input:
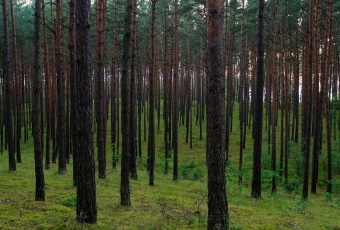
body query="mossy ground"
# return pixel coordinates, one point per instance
(168, 204)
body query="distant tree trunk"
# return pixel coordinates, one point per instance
(256, 180)
(8, 119)
(99, 83)
(218, 217)
(36, 110)
(61, 91)
(125, 162)
(175, 97)
(86, 186)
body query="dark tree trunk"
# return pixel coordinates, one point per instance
(47, 92)
(132, 116)
(125, 162)
(17, 103)
(73, 86)
(8, 119)
(86, 186)
(114, 97)
(307, 102)
(175, 97)
(36, 110)
(166, 95)
(256, 180)
(61, 92)
(151, 139)
(99, 83)
(218, 217)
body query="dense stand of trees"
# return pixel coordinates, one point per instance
(153, 65)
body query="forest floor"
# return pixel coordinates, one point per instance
(168, 204)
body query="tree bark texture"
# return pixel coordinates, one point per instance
(36, 109)
(86, 186)
(125, 166)
(8, 119)
(258, 116)
(217, 199)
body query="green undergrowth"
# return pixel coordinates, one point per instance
(170, 205)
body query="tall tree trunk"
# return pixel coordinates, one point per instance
(8, 119)
(132, 115)
(218, 217)
(317, 132)
(99, 83)
(17, 103)
(230, 86)
(73, 85)
(61, 91)
(256, 180)
(307, 101)
(125, 162)
(114, 93)
(151, 139)
(86, 185)
(325, 85)
(274, 96)
(37, 128)
(175, 93)
(47, 92)
(166, 94)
